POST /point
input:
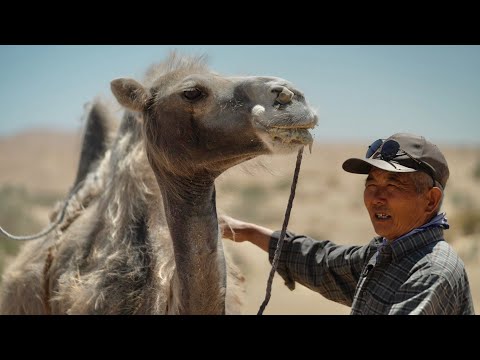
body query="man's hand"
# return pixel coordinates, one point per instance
(240, 231)
(232, 228)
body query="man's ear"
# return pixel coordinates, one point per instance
(434, 198)
(130, 93)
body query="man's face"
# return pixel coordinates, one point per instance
(393, 204)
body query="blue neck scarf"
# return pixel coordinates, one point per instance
(438, 221)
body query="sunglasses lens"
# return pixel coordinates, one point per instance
(373, 148)
(390, 149)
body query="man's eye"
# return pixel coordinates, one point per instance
(192, 94)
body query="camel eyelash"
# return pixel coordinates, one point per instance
(193, 94)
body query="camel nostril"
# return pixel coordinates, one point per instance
(284, 95)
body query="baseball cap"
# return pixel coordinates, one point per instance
(402, 152)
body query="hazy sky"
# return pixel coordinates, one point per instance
(360, 92)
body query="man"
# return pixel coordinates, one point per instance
(409, 268)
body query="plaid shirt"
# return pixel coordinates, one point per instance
(419, 274)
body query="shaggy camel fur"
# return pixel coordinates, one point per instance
(141, 234)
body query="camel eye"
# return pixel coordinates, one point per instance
(193, 94)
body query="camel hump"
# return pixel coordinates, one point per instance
(96, 138)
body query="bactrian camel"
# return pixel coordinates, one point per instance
(141, 234)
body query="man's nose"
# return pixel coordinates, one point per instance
(379, 195)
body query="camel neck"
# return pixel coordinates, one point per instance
(200, 263)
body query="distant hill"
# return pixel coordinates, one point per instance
(40, 159)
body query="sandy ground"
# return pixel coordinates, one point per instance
(328, 205)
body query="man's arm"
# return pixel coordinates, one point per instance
(240, 231)
(322, 266)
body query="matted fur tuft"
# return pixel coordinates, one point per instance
(126, 264)
(175, 66)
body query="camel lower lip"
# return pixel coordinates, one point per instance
(291, 135)
(307, 126)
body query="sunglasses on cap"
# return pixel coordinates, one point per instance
(390, 149)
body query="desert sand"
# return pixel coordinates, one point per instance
(328, 204)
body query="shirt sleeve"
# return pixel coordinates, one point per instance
(322, 266)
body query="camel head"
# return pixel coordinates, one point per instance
(198, 122)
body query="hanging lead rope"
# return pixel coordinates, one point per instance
(278, 250)
(52, 225)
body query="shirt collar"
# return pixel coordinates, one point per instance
(417, 240)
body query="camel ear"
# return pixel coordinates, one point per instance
(129, 93)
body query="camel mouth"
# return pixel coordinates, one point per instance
(285, 134)
(305, 126)
(292, 135)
